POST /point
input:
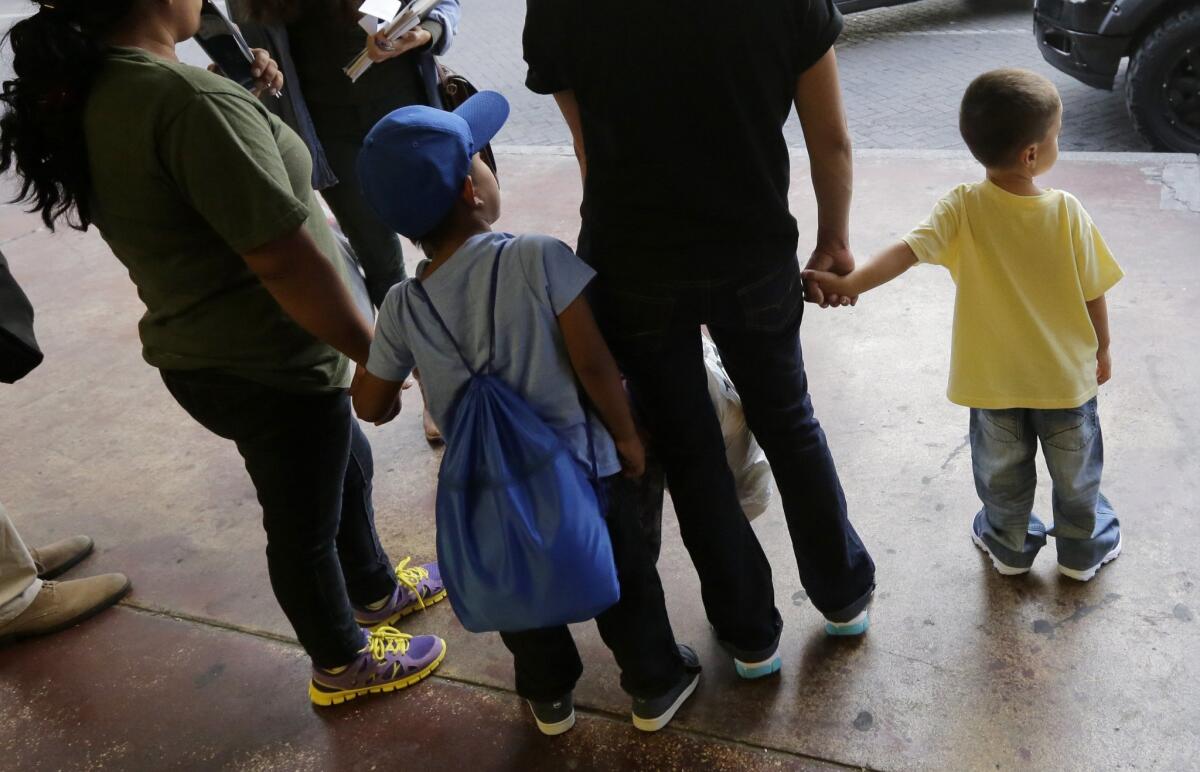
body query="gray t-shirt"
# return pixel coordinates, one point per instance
(539, 277)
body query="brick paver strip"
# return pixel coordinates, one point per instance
(903, 72)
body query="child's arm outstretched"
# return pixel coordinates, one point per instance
(597, 371)
(1098, 311)
(880, 269)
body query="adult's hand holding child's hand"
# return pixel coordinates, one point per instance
(827, 288)
(834, 261)
(392, 411)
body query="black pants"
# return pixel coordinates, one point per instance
(636, 629)
(311, 466)
(655, 334)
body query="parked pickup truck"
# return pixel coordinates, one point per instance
(1088, 39)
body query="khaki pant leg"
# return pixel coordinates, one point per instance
(19, 584)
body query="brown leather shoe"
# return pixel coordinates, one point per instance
(61, 556)
(60, 605)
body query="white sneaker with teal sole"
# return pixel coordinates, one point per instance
(753, 670)
(856, 626)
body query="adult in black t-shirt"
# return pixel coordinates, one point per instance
(677, 114)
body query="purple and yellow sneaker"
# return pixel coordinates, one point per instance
(417, 587)
(391, 660)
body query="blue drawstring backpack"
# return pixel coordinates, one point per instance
(521, 537)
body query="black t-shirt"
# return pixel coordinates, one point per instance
(682, 104)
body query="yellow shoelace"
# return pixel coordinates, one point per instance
(411, 577)
(387, 640)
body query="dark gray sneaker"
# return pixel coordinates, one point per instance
(554, 716)
(654, 713)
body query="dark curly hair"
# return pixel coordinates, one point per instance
(56, 55)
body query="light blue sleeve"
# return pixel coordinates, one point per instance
(447, 13)
(391, 359)
(555, 274)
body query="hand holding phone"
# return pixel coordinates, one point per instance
(224, 44)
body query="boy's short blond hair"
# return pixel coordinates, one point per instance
(1004, 111)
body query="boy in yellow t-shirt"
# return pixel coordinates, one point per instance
(1030, 342)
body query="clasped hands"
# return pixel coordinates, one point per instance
(833, 262)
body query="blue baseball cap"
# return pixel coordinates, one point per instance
(414, 161)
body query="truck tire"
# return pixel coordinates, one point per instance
(1162, 88)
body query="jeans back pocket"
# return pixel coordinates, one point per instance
(1002, 425)
(772, 303)
(1071, 429)
(630, 320)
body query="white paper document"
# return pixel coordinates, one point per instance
(405, 20)
(381, 9)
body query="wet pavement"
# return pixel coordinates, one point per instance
(962, 669)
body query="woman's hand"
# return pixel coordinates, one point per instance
(270, 79)
(380, 49)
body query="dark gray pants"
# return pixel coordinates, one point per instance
(341, 130)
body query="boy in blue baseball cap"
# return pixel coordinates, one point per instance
(420, 171)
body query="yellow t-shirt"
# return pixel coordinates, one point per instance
(1025, 267)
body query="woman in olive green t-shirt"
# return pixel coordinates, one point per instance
(206, 199)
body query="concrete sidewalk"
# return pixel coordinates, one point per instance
(962, 669)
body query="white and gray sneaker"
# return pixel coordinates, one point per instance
(650, 715)
(1086, 574)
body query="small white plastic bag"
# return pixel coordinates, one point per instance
(750, 467)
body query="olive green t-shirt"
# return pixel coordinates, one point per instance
(188, 173)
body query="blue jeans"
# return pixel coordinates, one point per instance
(1003, 448)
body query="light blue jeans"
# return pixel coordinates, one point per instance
(1003, 448)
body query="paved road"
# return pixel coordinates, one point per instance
(903, 71)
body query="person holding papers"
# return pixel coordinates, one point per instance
(324, 37)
